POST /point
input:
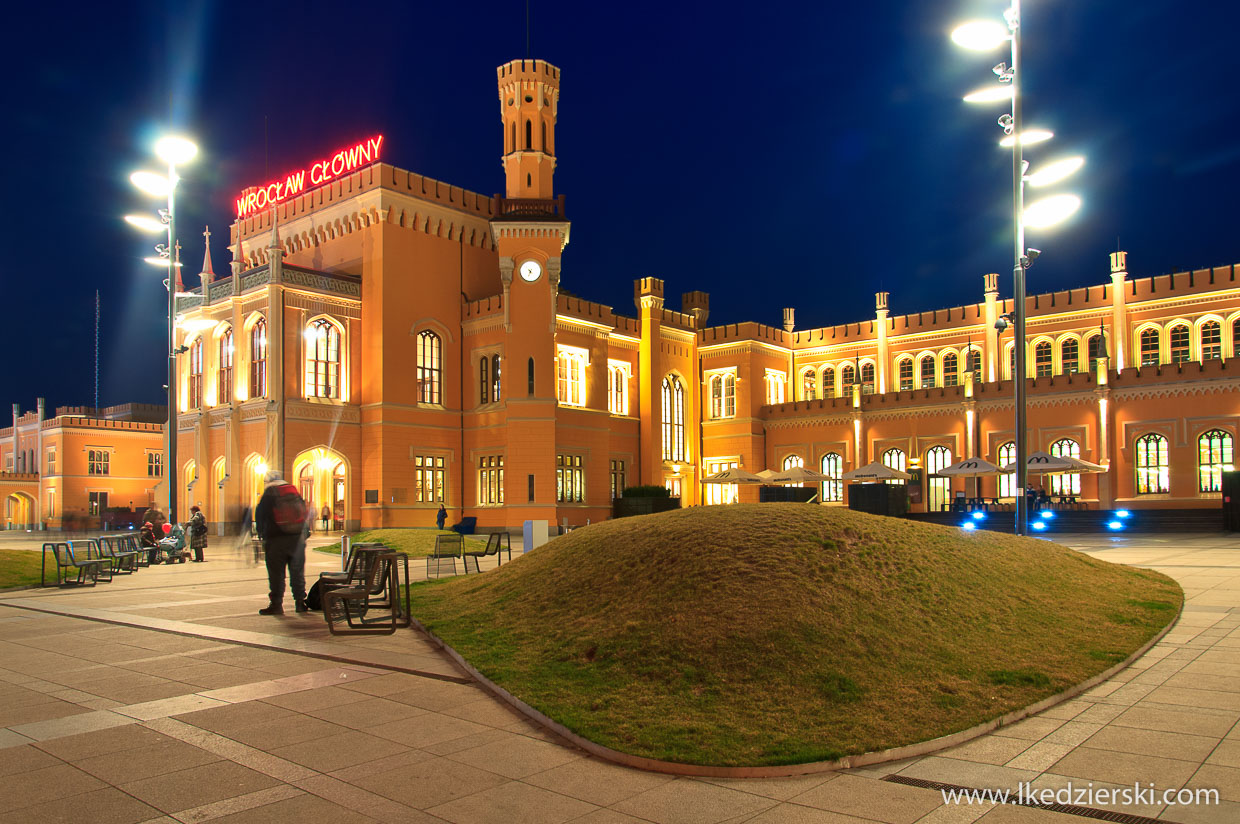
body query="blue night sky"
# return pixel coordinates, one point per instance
(798, 154)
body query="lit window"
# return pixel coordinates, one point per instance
(775, 387)
(721, 493)
(1043, 360)
(1211, 340)
(1150, 355)
(894, 459)
(618, 388)
(1066, 483)
(848, 376)
(1214, 457)
(905, 371)
(495, 383)
(154, 465)
(617, 478)
(484, 380)
(98, 462)
(491, 480)
(791, 462)
(723, 396)
(867, 379)
(428, 479)
(940, 489)
(98, 502)
(673, 419)
(1069, 356)
(571, 376)
(224, 386)
(322, 360)
(1097, 349)
(1011, 370)
(195, 374)
(951, 376)
(569, 479)
(430, 368)
(808, 385)
(1153, 471)
(51, 462)
(833, 468)
(258, 359)
(1179, 338)
(927, 371)
(1007, 480)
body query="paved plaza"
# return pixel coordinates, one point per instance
(164, 697)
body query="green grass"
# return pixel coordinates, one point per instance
(416, 543)
(20, 568)
(782, 633)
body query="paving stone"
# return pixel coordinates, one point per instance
(512, 803)
(684, 801)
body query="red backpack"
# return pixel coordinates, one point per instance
(288, 510)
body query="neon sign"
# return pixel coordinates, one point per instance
(320, 172)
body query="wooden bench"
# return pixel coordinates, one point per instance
(497, 543)
(88, 568)
(374, 587)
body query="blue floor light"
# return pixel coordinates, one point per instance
(968, 526)
(979, 516)
(1047, 514)
(1115, 526)
(1038, 525)
(1123, 513)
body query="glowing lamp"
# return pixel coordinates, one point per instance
(153, 183)
(968, 526)
(175, 150)
(1055, 172)
(979, 35)
(1115, 526)
(1038, 525)
(145, 224)
(162, 262)
(979, 516)
(1027, 138)
(1123, 513)
(1048, 211)
(1047, 514)
(989, 94)
(260, 468)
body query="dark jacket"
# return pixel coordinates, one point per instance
(266, 526)
(197, 531)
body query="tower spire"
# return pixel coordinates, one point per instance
(207, 274)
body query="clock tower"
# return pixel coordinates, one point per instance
(530, 233)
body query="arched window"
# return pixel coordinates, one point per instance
(1211, 340)
(1150, 356)
(723, 396)
(833, 468)
(905, 371)
(1011, 366)
(258, 359)
(484, 380)
(322, 360)
(974, 361)
(1180, 348)
(195, 374)
(927, 371)
(495, 382)
(848, 376)
(791, 462)
(940, 489)
(1043, 359)
(430, 368)
(571, 376)
(1214, 456)
(867, 379)
(1235, 337)
(1153, 470)
(1066, 484)
(1070, 356)
(673, 419)
(808, 385)
(1097, 349)
(618, 389)
(774, 387)
(828, 382)
(951, 376)
(894, 459)
(224, 382)
(529, 134)
(1007, 480)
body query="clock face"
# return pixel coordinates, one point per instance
(531, 271)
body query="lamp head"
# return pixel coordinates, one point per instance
(175, 150)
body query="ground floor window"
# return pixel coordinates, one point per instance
(51, 504)
(617, 479)
(672, 483)
(428, 479)
(491, 480)
(721, 493)
(1214, 456)
(98, 503)
(1153, 471)
(1066, 483)
(1007, 480)
(569, 479)
(832, 467)
(938, 458)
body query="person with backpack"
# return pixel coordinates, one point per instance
(197, 533)
(281, 521)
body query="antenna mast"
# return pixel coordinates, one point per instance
(96, 352)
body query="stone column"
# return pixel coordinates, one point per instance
(1119, 315)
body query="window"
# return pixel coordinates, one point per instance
(927, 371)
(828, 382)
(723, 396)
(154, 465)
(1070, 483)
(484, 380)
(775, 387)
(569, 479)
(832, 467)
(495, 384)
(258, 359)
(195, 374)
(808, 385)
(224, 393)
(867, 379)
(1153, 472)
(618, 388)
(51, 462)
(1150, 356)
(1235, 337)
(1007, 480)
(848, 376)
(974, 362)
(51, 504)
(673, 419)
(1011, 368)
(1070, 356)
(617, 478)
(791, 462)
(430, 368)
(905, 371)
(322, 360)
(721, 493)
(940, 489)
(1211, 340)
(950, 375)
(491, 480)
(571, 376)
(98, 503)
(1097, 349)
(1214, 457)
(1043, 360)
(894, 459)
(97, 461)
(1179, 337)
(531, 382)
(428, 479)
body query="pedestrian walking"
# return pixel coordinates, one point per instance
(197, 533)
(441, 517)
(326, 515)
(281, 518)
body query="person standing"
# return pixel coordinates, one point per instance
(282, 522)
(441, 517)
(197, 532)
(326, 515)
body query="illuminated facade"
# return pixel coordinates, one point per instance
(392, 343)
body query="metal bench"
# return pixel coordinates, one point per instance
(88, 549)
(497, 543)
(371, 603)
(447, 548)
(87, 569)
(116, 548)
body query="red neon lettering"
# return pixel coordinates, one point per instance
(339, 158)
(351, 158)
(321, 171)
(316, 173)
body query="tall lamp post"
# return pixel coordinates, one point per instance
(175, 151)
(987, 35)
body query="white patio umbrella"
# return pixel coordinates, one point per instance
(1042, 463)
(1078, 464)
(970, 468)
(732, 476)
(767, 474)
(799, 475)
(875, 471)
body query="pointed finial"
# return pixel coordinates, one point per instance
(275, 229)
(176, 266)
(207, 274)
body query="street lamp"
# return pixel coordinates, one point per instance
(175, 151)
(984, 35)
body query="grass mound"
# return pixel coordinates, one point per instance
(416, 542)
(762, 634)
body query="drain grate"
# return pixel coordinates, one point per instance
(1068, 809)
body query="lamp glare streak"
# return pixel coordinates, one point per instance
(990, 94)
(979, 35)
(1027, 138)
(1051, 210)
(1055, 172)
(153, 183)
(175, 150)
(145, 224)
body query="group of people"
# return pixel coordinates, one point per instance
(1036, 497)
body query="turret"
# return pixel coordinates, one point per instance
(529, 96)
